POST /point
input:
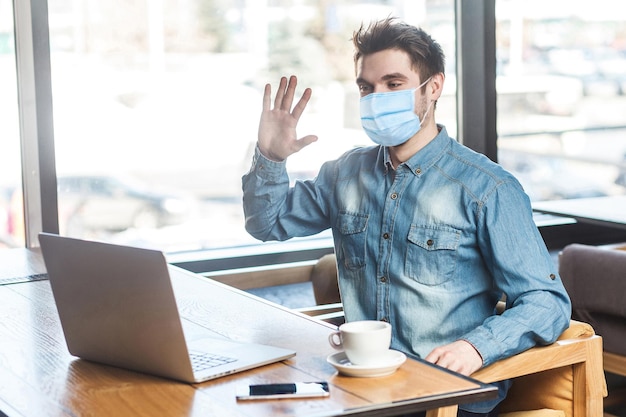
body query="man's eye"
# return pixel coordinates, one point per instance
(365, 88)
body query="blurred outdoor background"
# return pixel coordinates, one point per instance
(156, 104)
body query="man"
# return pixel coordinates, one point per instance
(428, 234)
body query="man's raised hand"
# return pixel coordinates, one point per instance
(277, 129)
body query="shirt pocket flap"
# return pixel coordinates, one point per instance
(434, 237)
(351, 223)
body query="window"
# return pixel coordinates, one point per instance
(11, 217)
(562, 97)
(156, 106)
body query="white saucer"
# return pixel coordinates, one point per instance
(392, 361)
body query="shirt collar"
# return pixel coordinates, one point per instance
(425, 157)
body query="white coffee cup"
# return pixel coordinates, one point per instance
(364, 342)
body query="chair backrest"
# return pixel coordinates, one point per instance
(324, 280)
(595, 279)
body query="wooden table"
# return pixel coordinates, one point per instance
(39, 378)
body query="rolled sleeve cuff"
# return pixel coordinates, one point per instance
(266, 168)
(486, 344)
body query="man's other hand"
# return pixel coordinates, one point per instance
(459, 356)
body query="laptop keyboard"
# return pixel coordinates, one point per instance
(203, 361)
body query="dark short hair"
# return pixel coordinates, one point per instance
(427, 57)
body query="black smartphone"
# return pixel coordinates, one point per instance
(284, 390)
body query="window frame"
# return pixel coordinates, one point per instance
(476, 105)
(34, 87)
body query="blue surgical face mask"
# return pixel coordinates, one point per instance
(389, 119)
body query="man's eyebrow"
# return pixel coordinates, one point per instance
(386, 77)
(394, 76)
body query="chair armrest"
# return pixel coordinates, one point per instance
(575, 351)
(538, 359)
(565, 351)
(578, 351)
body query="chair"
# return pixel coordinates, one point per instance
(324, 280)
(325, 291)
(562, 379)
(595, 278)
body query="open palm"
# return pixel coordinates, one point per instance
(277, 129)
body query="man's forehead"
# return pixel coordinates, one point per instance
(385, 65)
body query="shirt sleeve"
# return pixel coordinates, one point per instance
(274, 210)
(538, 308)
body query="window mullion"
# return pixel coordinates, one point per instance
(32, 48)
(476, 75)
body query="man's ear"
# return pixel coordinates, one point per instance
(435, 86)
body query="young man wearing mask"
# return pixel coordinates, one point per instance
(428, 234)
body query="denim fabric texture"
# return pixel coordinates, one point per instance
(429, 247)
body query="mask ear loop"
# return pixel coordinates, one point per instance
(424, 83)
(429, 104)
(427, 110)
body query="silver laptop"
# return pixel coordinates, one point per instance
(117, 306)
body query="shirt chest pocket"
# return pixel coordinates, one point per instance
(432, 253)
(352, 228)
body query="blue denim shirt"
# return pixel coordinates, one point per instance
(429, 247)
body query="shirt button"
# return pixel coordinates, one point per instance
(383, 279)
(430, 242)
(418, 171)
(385, 319)
(385, 235)
(394, 196)
(552, 277)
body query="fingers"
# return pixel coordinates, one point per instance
(277, 128)
(267, 99)
(305, 141)
(301, 105)
(289, 93)
(280, 93)
(445, 359)
(459, 356)
(285, 94)
(433, 357)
